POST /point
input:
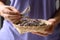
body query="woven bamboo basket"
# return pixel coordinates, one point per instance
(24, 29)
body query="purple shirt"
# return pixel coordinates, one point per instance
(40, 9)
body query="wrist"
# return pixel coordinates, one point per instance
(53, 21)
(57, 19)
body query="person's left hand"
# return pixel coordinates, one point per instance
(52, 23)
(9, 13)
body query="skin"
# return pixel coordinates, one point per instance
(52, 23)
(11, 14)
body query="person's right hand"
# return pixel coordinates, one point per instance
(10, 13)
(48, 31)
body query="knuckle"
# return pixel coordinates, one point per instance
(8, 16)
(16, 11)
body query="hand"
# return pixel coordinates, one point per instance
(10, 13)
(52, 23)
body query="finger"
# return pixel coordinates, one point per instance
(15, 10)
(11, 16)
(14, 17)
(15, 21)
(7, 11)
(12, 9)
(10, 12)
(50, 30)
(40, 34)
